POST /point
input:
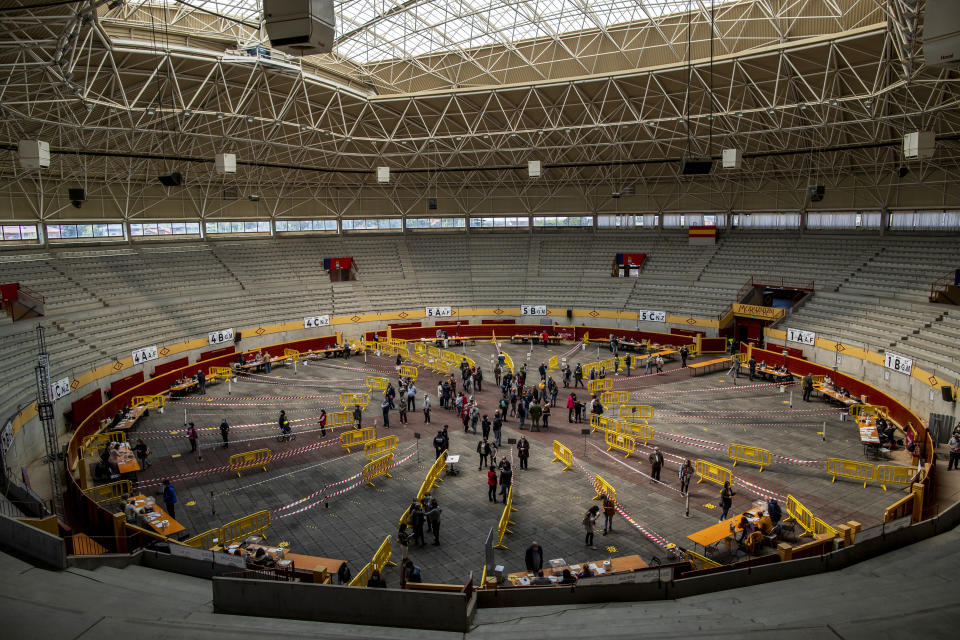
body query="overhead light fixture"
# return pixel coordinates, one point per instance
(151, 111)
(802, 106)
(486, 136)
(187, 113)
(739, 114)
(89, 106)
(868, 102)
(277, 123)
(249, 119)
(834, 103)
(771, 110)
(303, 127)
(253, 197)
(347, 139)
(219, 116)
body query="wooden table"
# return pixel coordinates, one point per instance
(716, 533)
(630, 345)
(536, 338)
(623, 564)
(131, 419)
(769, 373)
(327, 352)
(173, 527)
(183, 387)
(128, 460)
(829, 393)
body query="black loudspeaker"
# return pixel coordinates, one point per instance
(816, 193)
(77, 195)
(236, 337)
(569, 314)
(432, 204)
(947, 392)
(172, 180)
(695, 166)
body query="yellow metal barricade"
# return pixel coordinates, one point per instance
(206, 540)
(377, 468)
(219, 373)
(505, 521)
(610, 398)
(859, 471)
(699, 562)
(357, 437)
(892, 474)
(553, 363)
(636, 412)
(751, 455)
(433, 475)
(419, 347)
(805, 518)
(150, 402)
(713, 472)
(599, 384)
(599, 422)
(868, 411)
(376, 383)
(380, 446)
(249, 459)
(603, 488)
(291, 354)
(339, 418)
(362, 577)
(97, 441)
(640, 431)
(246, 526)
(451, 358)
(433, 352)
(562, 454)
(621, 442)
(381, 558)
(409, 372)
(348, 399)
(508, 362)
(108, 492)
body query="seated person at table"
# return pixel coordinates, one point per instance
(263, 558)
(765, 524)
(129, 510)
(773, 509)
(747, 526)
(585, 572)
(568, 578)
(827, 382)
(844, 392)
(113, 458)
(754, 541)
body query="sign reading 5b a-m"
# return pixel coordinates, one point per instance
(533, 309)
(316, 321)
(438, 312)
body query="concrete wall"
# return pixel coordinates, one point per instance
(32, 543)
(336, 603)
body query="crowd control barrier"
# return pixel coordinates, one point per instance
(804, 517)
(339, 419)
(219, 373)
(610, 398)
(348, 399)
(505, 521)
(291, 354)
(603, 488)
(108, 492)
(206, 540)
(890, 474)
(621, 442)
(600, 422)
(553, 363)
(150, 402)
(376, 383)
(713, 472)
(357, 437)
(636, 412)
(246, 526)
(380, 446)
(249, 459)
(562, 454)
(377, 468)
(640, 431)
(408, 371)
(750, 455)
(381, 558)
(699, 562)
(93, 444)
(859, 471)
(599, 385)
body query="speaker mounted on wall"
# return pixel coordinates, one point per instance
(174, 179)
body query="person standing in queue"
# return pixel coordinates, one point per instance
(225, 433)
(523, 451)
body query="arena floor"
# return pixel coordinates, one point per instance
(695, 418)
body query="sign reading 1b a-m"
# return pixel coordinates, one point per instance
(438, 312)
(533, 309)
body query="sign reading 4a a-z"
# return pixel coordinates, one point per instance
(439, 312)
(533, 309)
(316, 321)
(145, 354)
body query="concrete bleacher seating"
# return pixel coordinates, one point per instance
(103, 302)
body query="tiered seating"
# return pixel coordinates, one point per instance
(906, 266)
(39, 272)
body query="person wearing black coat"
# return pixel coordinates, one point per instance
(533, 558)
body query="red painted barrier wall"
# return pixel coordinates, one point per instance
(213, 353)
(400, 325)
(84, 406)
(170, 366)
(446, 323)
(713, 345)
(119, 386)
(498, 321)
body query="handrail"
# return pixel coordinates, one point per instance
(940, 285)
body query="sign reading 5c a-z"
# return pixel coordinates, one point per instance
(145, 354)
(533, 309)
(219, 337)
(652, 316)
(316, 321)
(439, 312)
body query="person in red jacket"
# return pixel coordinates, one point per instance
(571, 405)
(492, 484)
(323, 422)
